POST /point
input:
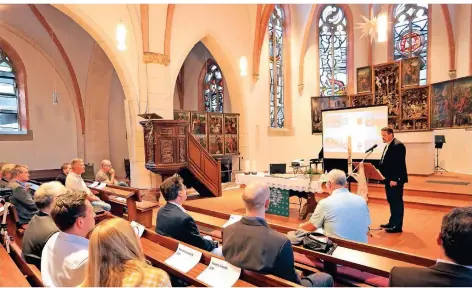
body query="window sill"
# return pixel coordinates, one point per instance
(16, 135)
(280, 131)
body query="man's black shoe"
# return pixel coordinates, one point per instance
(393, 230)
(386, 225)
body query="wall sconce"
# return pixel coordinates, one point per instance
(382, 27)
(121, 36)
(243, 65)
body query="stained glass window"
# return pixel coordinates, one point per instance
(8, 95)
(213, 88)
(333, 51)
(410, 34)
(276, 73)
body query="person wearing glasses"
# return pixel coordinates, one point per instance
(107, 174)
(173, 221)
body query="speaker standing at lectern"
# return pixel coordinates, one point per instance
(393, 168)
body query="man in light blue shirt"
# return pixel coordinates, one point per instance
(343, 214)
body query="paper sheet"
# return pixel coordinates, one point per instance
(93, 184)
(232, 219)
(184, 259)
(220, 274)
(102, 185)
(138, 228)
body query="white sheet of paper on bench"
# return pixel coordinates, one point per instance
(121, 199)
(232, 219)
(102, 185)
(184, 259)
(93, 184)
(138, 228)
(220, 273)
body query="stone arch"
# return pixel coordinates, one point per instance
(315, 14)
(232, 78)
(20, 76)
(131, 92)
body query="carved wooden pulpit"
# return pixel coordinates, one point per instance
(165, 144)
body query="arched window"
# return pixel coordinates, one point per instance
(276, 63)
(410, 34)
(8, 95)
(333, 51)
(213, 88)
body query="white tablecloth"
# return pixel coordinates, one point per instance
(301, 183)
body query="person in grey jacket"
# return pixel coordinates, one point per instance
(21, 197)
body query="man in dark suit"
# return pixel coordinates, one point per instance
(21, 196)
(63, 176)
(250, 243)
(393, 168)
(41, 226)
(454, 266)
(173, 221)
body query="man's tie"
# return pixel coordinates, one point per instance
(383, 154)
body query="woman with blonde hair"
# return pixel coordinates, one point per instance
(116, 258)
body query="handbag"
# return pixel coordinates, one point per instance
(318, 242)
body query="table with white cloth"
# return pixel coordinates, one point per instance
(284, 186)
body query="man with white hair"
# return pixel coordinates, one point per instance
(41, 226)
(343, 214)
(250, 243)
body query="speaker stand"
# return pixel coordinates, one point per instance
(437, 168)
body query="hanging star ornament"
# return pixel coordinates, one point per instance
(368, 27)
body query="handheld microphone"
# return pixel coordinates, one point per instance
(371, 148)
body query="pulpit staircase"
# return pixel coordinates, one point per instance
(170, 149)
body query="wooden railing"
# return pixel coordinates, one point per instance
(203, 166)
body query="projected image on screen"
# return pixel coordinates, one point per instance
(362, 124)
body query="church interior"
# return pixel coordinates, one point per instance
(224, 96)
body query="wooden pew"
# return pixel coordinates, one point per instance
(30, 271)
(368, 248)
(158, 248)
(45, 175)
(358, 259)
(139, 210)
(10, 274)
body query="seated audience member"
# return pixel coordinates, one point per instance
(65, 170)
(117, 259)
(65, 255)
(74, 182)
(454, 267)
(250, 243)
(173, 220)
(343, 214)
(21, 196)
(6, 175)
(107, 174)
(41, 227)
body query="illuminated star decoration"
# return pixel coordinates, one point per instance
(368, 27)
